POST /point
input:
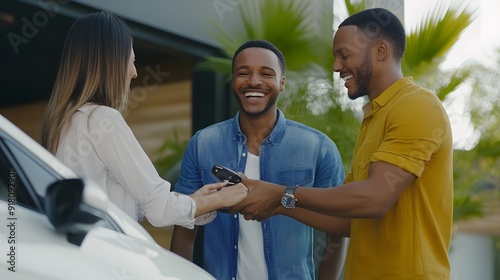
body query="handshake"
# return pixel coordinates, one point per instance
(225, 174)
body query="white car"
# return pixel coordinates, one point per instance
(54, 225)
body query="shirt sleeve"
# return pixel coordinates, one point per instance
(330, 171)
(412, 136)
(205, 218)
(190, 178)
(130, 166)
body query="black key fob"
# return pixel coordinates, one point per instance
(225, 174)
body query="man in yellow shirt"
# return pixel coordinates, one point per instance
(396, 203)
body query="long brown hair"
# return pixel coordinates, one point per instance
(93, 68)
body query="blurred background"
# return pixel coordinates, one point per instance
(183, 51)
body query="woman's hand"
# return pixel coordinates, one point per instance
(219, 195)
(230, 195)
(210, 188)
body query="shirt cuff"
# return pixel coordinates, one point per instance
(205, 218)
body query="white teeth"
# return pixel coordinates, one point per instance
(345, 78)
(254, 94)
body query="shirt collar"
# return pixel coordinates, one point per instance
(274, 137)
(386, 95)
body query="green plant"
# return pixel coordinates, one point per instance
(168, 157)
(284, 23)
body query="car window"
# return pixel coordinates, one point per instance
(4, 178)
(36, 172)
(12, 187)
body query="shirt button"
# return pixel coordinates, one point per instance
(235, 247)
(235, 216)
(233, 278)
(265, 226)
(243, 154)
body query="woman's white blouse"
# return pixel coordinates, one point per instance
(99, 145)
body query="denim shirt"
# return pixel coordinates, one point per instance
(293, 154)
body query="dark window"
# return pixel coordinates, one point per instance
(36, 172)
(12, 187)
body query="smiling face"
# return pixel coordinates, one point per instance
(353, 60)
(257, 81)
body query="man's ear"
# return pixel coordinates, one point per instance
(282, 83)
(382, 49)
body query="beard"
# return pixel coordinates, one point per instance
(271, 103)
(363, 77)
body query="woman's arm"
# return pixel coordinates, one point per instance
(129, 165)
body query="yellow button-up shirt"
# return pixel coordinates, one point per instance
(405, 126)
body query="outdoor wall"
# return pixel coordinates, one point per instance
(159, 104)
(27, 117)
(155, 110)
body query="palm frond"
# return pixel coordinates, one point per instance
(228, 42)
(221, 65)
(353, 8)
(455, 80)
(286, 24)
(444, 82)
(427, 46)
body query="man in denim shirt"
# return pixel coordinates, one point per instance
(262, 144)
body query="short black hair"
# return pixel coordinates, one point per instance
(264, 45)
(378, 23)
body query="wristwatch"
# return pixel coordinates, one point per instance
(288, 199)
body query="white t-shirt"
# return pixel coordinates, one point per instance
(251, 260)
(99, 145)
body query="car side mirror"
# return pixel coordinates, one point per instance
(67, 208)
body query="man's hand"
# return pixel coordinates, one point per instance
(262, 201)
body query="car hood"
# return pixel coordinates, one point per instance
(104, 254)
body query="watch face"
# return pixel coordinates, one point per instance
(288, 201)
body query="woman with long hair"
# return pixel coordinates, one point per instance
(84, 128)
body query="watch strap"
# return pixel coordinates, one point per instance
(290, 189)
